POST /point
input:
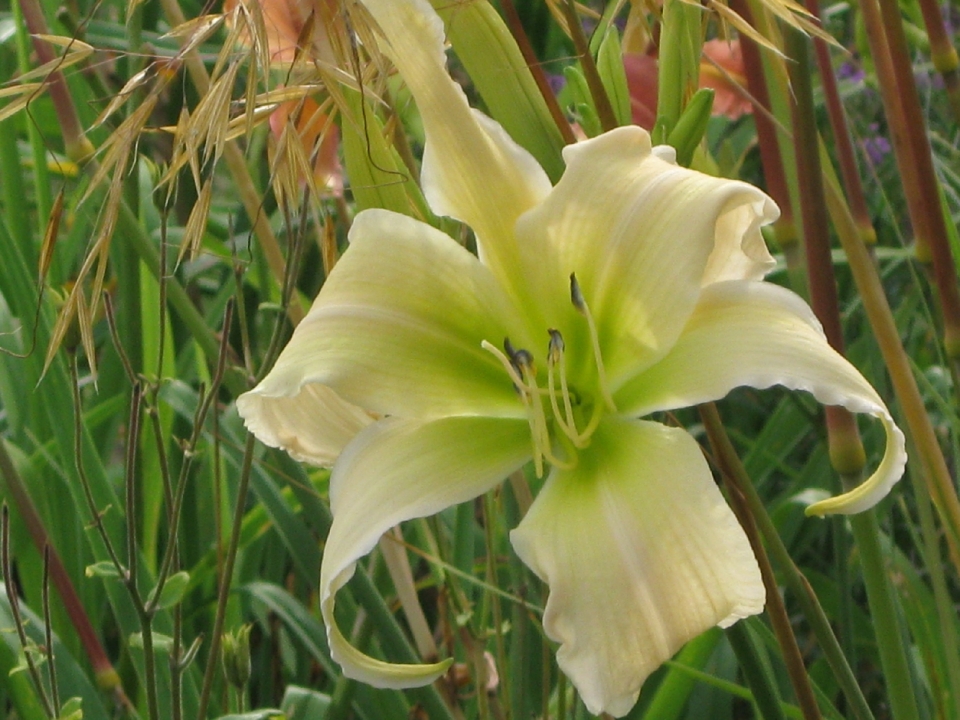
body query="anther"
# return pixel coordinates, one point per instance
(556, 348)
(524, 361)
(576, 296)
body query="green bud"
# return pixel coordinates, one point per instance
(235, 655)
(690, 128)
(577, 94)
(614, 76)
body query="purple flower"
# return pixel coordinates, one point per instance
(850, 71)
(876, 146)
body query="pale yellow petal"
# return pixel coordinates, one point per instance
(757, 334)
(396, 470)
(396, 330)
(641, 554)
(313, 425)
(643, 235)
(472, 170)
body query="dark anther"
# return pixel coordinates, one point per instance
(576, 296)
(556, 342)
(523, 359)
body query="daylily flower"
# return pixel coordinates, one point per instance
(721, 69)
(424, 375)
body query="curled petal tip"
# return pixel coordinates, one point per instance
(358, 666)
(875, 488)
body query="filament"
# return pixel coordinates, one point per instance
(580, 303)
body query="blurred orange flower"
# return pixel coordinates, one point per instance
(721, 68)
(285, 21)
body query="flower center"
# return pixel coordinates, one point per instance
(556, 410)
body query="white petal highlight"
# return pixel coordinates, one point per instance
(397, 330)
(642, 235)
(472, 170)
(313, 425)
(641, 554)
(396, 470)
(757, 334)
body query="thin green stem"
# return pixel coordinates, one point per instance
(776, 610)
(11, 175)
(934, 563)
(889, 635)
(846, 449)
(189, 452)
(38, 151)
(106, 676)
(48, 631)
(133, 438)
(223, 593)
(15, 610)
(233, 156)
(96, 514)
(819, 622)
(758, 679)
(130, 576)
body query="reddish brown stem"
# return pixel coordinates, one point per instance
(103, 669)
(78, 148)
(921, 156)
(897, 124)
(539, 77)
(942, 52)
(770, 156)
(841, 135)
(844, 439)
(608, 120)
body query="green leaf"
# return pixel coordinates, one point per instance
(72, 709)
(301, 703)
(498, 70)
(378, 177)
(172, 592)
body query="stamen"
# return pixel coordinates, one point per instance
(512, 370)
(555, 357)
(543, 444)
(538, 421)
(576, 297)
(520, 368)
